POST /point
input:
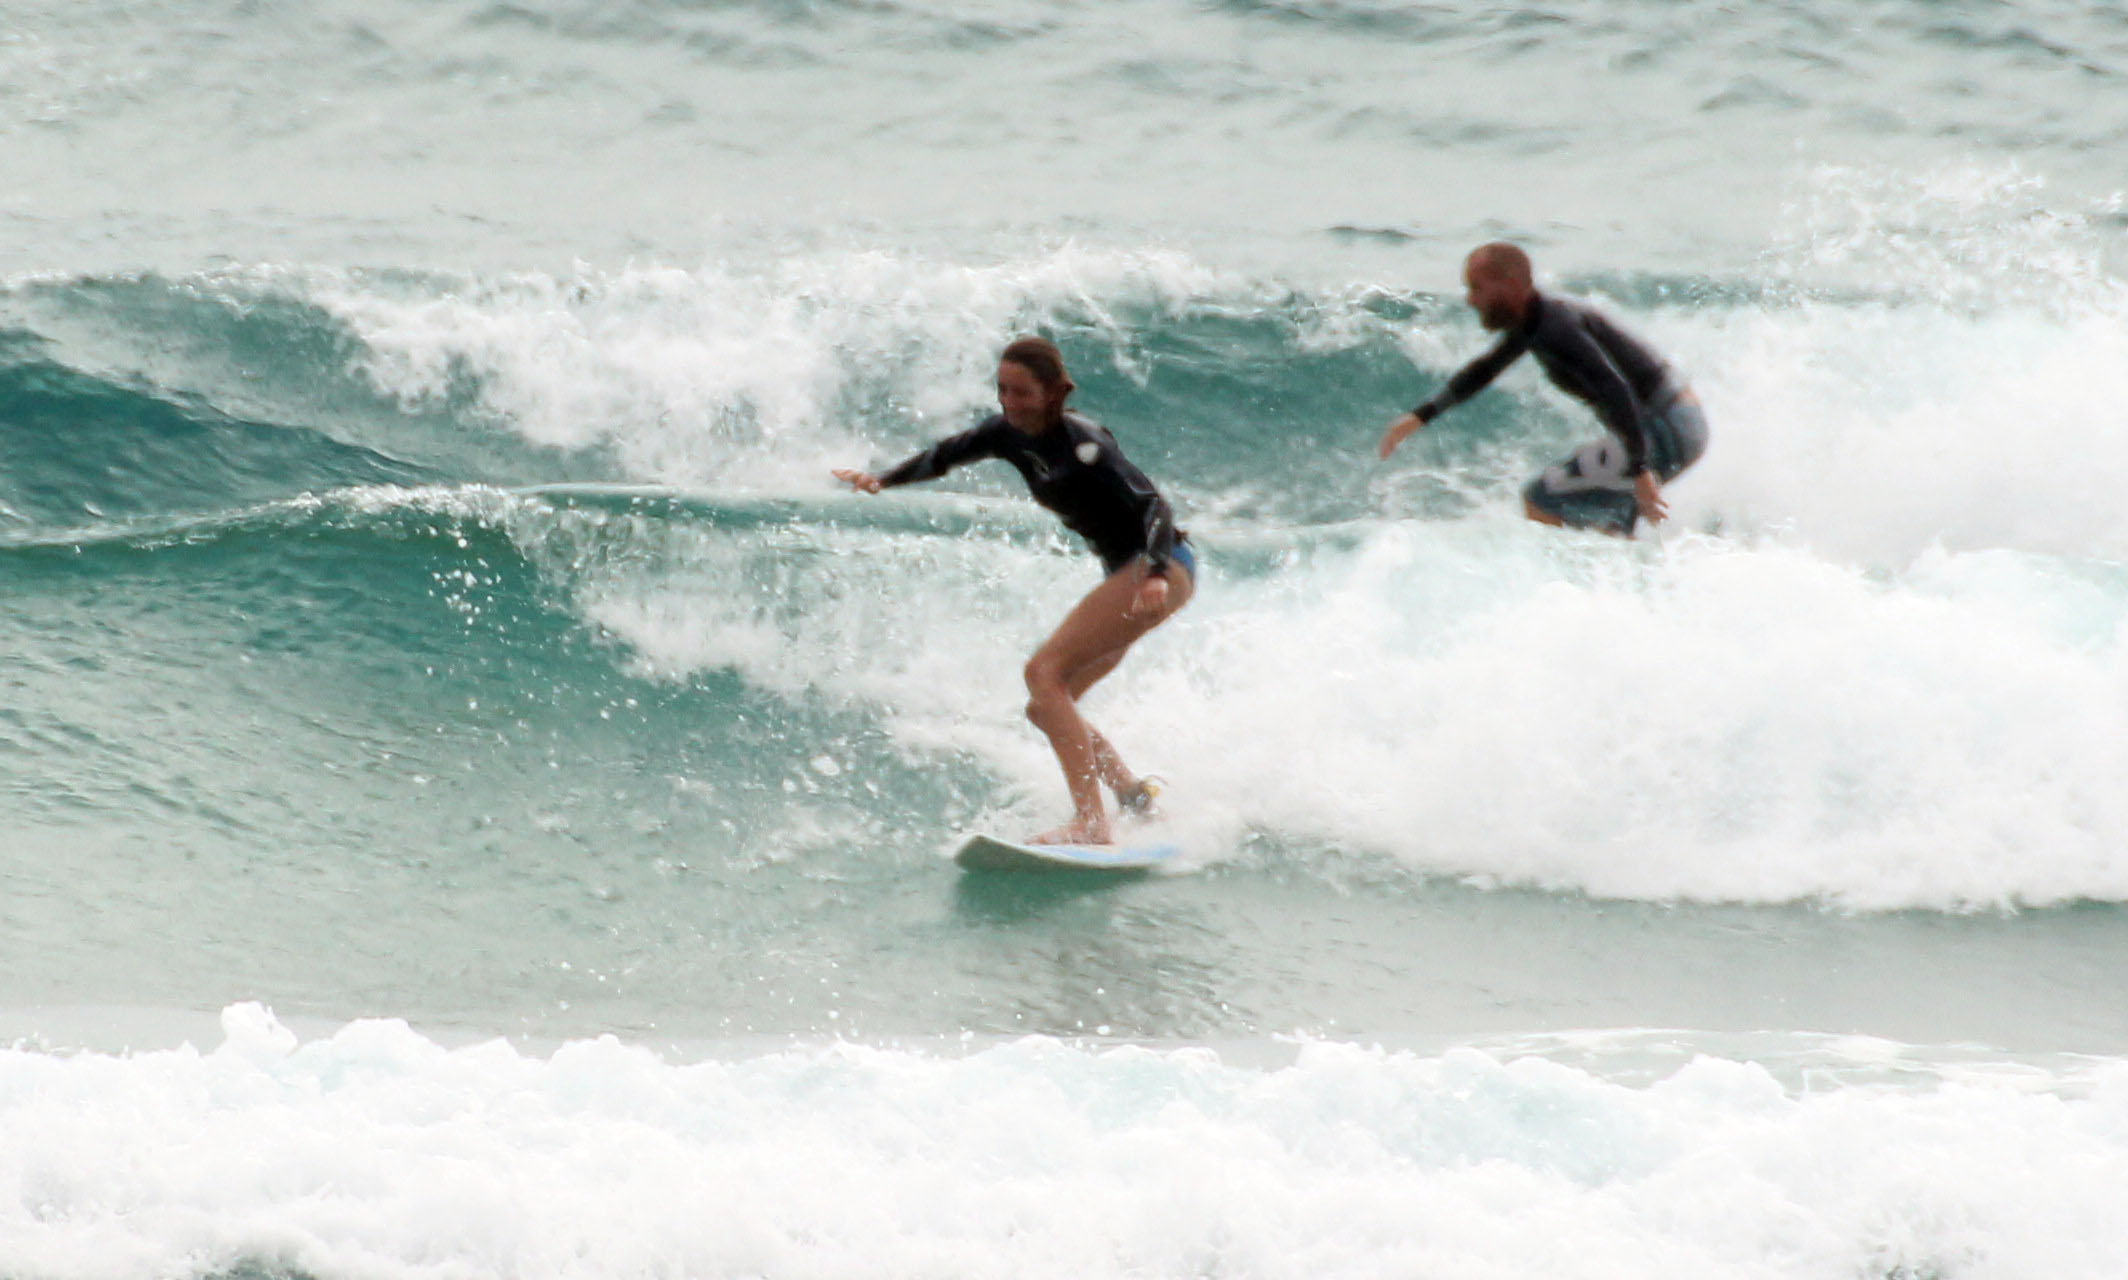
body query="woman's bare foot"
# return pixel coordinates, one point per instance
(1078, 831)
(1140, 799)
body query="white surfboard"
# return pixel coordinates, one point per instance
(989, 853)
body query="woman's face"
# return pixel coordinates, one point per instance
(1022, 396)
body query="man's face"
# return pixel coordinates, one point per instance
(1492, 295)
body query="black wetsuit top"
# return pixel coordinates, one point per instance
(1076, 470)
(1588, 356)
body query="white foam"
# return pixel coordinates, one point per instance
(1872, 432)
(1712, 723)
(1707, 720)
(1955, 384)
(1970, 404)
(759, 377)
(379, 1153)
(1962, 385)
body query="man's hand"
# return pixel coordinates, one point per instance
(1399, 429)
(862, 481)
(1648, 495)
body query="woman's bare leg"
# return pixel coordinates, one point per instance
(1108, 763)
(1086, 646)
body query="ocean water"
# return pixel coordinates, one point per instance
(475, 793)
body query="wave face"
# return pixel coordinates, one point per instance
(1814, 689)
(525, 602)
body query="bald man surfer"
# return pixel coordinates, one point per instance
(1657, 426)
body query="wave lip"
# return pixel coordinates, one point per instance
(1868, 420)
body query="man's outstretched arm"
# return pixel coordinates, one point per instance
(1467, 382)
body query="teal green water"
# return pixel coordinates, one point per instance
(335, 711)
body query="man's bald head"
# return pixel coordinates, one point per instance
(1501, 259)
(1498, 283)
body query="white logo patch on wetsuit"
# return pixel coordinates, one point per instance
(1089, 452)
(1601, 465)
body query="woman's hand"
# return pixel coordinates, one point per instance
(1397, 432)
(862, 481)
(1151, 596)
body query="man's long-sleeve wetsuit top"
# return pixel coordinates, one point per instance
(1075, 469)
(1588, 356)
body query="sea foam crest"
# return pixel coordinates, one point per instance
(1927, 406)
(376, 1151)
(755, 376)
(1707, 720)
(1947, 370)
(1932, 408)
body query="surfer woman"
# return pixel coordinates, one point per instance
(1073, 467)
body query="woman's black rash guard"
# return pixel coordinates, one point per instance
(1076, 470)
(1587, 356)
